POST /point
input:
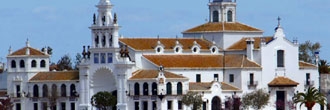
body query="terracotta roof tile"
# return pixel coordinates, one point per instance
(150, 74)
(218, 27)
(303, 64)
(226, 86)
(201, 61)
(56, 76)
(281, 81)
(241, 44)
(169, 43)
(22, 51)
(207, 86)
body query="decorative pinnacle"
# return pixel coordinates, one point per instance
(278, 21)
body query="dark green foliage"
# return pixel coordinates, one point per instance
(6, 104)
(103, 100)
(194, 99)
(306, 51)
(49, 50)
(257, 99)
(77, 61)
(64, 63)
(309, 98)
(323, 66)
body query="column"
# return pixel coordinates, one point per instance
(99, 40)
(107, 39)
(115, 37)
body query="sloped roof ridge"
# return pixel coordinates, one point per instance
(32, 50)
(252, 61)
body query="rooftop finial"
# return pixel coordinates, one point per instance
(9, 50)
(27, 42)
(278, 21)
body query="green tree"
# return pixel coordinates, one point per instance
(194, 99)
(64, 63)
(323, 66)
(309, 98)
(307, 49)
(257, 99)
(77, 61)
(103, 100)
(49, 50)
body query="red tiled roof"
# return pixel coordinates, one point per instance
(22, 51)
(207, 86)
(303, 64)
(169, 43)
(241, 44)
(56, 76)
(281, 81)
(150, 74)
(201, 61)
(218, 27)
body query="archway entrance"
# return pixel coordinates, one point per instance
(103, 80)
(216, 103)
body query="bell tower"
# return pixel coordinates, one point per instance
(104, 28)
(222, 11)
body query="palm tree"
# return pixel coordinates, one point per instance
(309, 98)
(323, 66)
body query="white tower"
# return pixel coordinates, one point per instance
(222, 11)
(105, 28)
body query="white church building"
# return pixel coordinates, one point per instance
(219, 59)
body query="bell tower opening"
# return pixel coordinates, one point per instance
(222, 11)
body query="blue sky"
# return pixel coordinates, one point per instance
(63, 24)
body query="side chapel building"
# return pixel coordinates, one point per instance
(228, 58)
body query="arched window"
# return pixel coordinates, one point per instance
(35, 91)
(145, 89)
(154, 88)
(13, 64)
(230, 16)
(44, 91)
(168, 88)
(33, 63)
(136, 89)
(215, 16)
(63, 90)
(280, 58)
(179, 88)
(54, 90)
(73, 91)
(42, 63)
(21, 64)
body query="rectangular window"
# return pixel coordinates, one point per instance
(96, 57)
(154, 105)
(102, 57)
(109, 57)
(308, 77)
(136, 105)
(251, 78)
(198, 77)
(179, 105)
(169, 105)
(63, 106)
(73, 106)
(18, 106)
(145, 105)
(216, 77)
(280, 58)
(231, 78)
(35, 106)
(44, 106)
(204, 105)
(18, 90)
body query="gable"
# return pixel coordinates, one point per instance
(222, 27)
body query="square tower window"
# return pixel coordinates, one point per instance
(96, 57)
